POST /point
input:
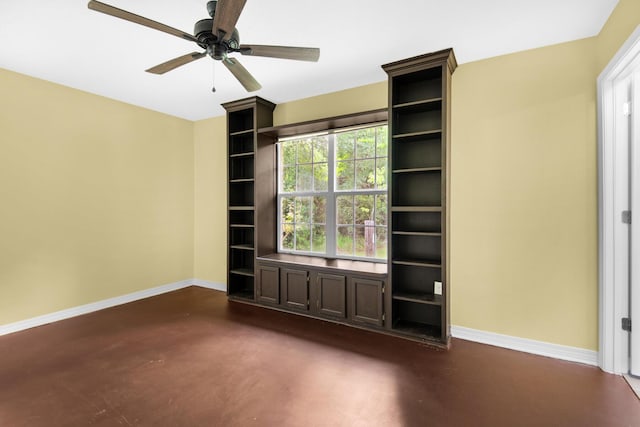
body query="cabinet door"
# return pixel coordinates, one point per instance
(365, 301)
(268, 290)
(295, 289)
(331, 295)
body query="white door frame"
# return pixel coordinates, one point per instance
(634, 298)
(613, 294)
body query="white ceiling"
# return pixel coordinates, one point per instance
(64, 42)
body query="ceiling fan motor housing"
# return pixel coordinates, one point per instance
(206, 39)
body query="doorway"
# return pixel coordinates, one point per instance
(618, 203)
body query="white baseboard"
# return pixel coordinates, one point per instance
(573, 354)
(557, 351)
(100, 305)
(209, 285)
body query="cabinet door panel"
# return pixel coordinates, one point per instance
(268, 285)
(295, 289)
(365, 301)
(331, 295)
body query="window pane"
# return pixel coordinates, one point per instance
(320, 177)
(288, 152)
(345, 142)
(360, 165)
(287, 210)
(289, 179)
(319, 239)
(365, 174)
(320, 149)
(344, 206)
(287, 236)
(363, 209)
(366, 143)
(344, 240)
(305, 178)
(303, 237)
(319, 210)
(303, 210)
(382, 144)
(381, 173)
(304, 151)
(381, 209)
(381, 242)
(345, 175)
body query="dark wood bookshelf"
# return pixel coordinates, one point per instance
(434, 169)
(416, 208)
(407, 135)
(246, 295)
(413, 222)
(418, 104)
(241, 208)
(245, 154)
(419, 159)
(242, 272)
(417, 263)
(418, 298)
(407, 296)
(415, 233)
(242, 132)
(416, 328)
(246, 247)
(245, 187)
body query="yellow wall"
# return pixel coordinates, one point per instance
(622, 22)
(524, 202)
(210, 262)
(96, 198)
(359, 99)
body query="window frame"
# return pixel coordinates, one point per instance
(331, 195)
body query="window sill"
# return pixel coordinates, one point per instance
(363, 267)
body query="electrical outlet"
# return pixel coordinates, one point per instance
(437, 288)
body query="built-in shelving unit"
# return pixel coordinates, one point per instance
(419, 155)
(409, 295)
(244, 117)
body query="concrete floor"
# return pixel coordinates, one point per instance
(191, 358)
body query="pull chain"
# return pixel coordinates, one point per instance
(213, 76)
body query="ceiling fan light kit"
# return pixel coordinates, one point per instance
(219, 37)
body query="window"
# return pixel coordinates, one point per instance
(332, 194)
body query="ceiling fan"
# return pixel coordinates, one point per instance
(218, 36)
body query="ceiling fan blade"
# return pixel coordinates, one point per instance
(176, 62)
(244, 77)
(311, 54)
(226, 16)
(132, 17)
